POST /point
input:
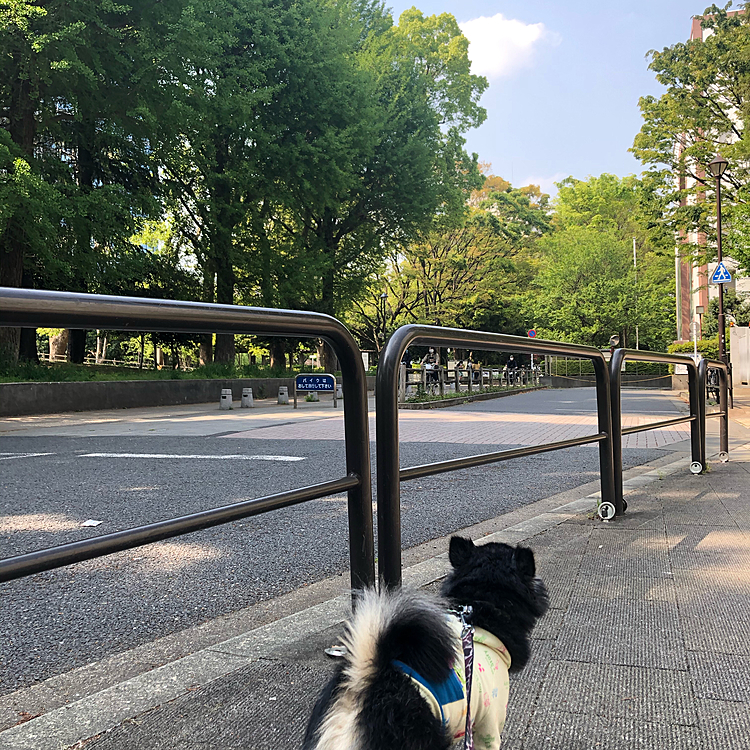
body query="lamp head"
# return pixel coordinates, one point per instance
(614, 341)
(718, 165)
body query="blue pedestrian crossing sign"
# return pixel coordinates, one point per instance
(721, 275)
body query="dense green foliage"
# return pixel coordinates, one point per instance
(702, 113)
(255, 151)
(309, 154)
(592, 283)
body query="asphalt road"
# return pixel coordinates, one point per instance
(55, 621)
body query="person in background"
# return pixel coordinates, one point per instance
(430, 363)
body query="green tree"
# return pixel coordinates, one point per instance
(466, 272)
(583, 292)
(79, 95)
(620, 208)
(702, 112)
(403, 162)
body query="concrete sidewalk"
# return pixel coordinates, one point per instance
(646, 643)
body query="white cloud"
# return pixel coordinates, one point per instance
(500, 46)
(546, 184)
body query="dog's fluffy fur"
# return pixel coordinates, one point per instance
(370, 704)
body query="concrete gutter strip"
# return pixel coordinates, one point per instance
(85, 718)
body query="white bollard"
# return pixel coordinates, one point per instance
(283, 394)
(339, 392)
(313, 396)
(247, 398)
(226, 398)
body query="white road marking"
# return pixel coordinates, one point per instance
(8, 456)
(230, 457)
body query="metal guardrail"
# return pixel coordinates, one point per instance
(725, 377)
(477, 380)
(697, 443)
(31, 308)
(390, 474)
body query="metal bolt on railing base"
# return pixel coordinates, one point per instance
(606, 511)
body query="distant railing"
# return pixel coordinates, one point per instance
(462, 380)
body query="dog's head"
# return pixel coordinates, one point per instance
(495, 573)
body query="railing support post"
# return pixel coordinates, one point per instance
(615, 385)
(697, 445)
(702, 383)
(724, 391)
(608, 474)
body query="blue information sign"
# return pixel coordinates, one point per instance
(315, 382)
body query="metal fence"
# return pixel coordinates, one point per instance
(29, 308)
(390, 475)
(439, 380)
(724, 377)
(695, 388)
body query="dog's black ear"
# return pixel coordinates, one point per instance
(525, 561)
(460, 551)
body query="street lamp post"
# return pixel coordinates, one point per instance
(717, 168)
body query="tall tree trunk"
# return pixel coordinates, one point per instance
(327, 358)
(22, 129)
(206, 351)
(27, 346)
(221, 252)
(86, 175)
(277, 348)
(76, 346)
(11, 274)
(224, 350)
(329, 245)
(58, 345)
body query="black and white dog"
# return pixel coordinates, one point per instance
(401, 685)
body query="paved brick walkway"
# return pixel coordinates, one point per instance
(460, 425)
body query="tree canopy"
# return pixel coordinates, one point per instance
(284, 146)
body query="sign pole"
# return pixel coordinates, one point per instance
(721, 321)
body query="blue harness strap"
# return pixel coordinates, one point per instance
(448, 691)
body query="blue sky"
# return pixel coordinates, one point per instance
(565, 79)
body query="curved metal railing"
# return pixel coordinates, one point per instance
(390, 474)
(33, 308)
